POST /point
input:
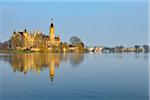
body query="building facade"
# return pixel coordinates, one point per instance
(35, 41)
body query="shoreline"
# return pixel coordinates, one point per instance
(28, 51)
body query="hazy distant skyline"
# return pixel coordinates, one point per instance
(96, 23)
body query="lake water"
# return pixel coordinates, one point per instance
(46, 76)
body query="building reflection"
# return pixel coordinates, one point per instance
(37, 62)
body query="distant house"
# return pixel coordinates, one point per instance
(98, 49)
(90, 49)
(107, 50)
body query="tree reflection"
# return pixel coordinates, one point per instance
(37, 62)
(76, 59)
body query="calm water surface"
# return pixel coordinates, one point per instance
(46, 76)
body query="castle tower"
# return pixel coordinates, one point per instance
(52, 34)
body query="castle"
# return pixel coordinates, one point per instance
(35, 41)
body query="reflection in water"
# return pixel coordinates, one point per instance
(36, 62)
(76, 59)
(97, 76)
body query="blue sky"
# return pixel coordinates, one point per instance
(96, 23)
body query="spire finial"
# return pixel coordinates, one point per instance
(14, 31)
(51, 19)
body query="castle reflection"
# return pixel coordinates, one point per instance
(37, 62)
